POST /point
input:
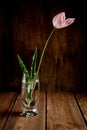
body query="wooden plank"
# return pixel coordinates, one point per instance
(82, 101)
(18, 122)
(7, 100)
(63, 112)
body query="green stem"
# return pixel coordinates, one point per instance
(44, 50)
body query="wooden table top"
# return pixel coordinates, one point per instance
(57, 111)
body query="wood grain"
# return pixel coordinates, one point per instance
(82, 101)
(6, 103)
(18, 122)
(63, 112)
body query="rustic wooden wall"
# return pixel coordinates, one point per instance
(24, 26)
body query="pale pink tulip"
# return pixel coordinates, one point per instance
(60, 21)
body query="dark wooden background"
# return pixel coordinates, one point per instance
(27, 24)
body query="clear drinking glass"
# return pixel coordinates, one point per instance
(30, 96)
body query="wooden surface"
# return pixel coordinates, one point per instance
(6, 103)
(63, 113)
(57, 111)
(82, 102)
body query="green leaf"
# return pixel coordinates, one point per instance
(23, 67)
(33, 65)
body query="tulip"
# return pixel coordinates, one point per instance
(59, 21)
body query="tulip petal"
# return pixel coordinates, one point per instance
(69, 21)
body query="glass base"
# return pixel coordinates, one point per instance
(30, 113)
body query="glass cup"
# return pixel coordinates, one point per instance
(30, 96)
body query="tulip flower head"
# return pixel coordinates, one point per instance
(59, 21)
